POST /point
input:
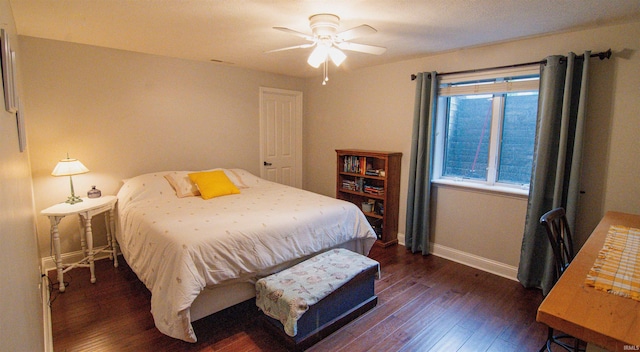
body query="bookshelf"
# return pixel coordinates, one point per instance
(372, 177)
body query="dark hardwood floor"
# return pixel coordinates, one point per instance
(425, 304)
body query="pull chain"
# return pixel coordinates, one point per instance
(326, 71)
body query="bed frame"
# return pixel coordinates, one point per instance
(215, 299)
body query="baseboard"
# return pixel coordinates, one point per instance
(401, 239)
(46, 314)
(491, 266)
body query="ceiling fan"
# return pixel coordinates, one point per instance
(328, 41)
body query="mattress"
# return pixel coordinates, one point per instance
(178, 246)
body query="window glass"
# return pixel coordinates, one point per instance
(518, 134)
(467, 136)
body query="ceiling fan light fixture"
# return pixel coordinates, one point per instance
(336, 55)
(318, 55)
(329, 43)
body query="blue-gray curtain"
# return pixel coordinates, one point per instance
(556, 161)
(419, 194)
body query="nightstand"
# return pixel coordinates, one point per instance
(85, 210)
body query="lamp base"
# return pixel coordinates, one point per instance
(73, 200)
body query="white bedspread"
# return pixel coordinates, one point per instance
(178, 246)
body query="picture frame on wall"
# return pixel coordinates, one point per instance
(8, 67)
(22, 138)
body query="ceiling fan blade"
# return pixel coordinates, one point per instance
(356, 32)
(302, 46)
(294, 32)
(363, 48)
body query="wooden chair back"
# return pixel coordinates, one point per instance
(557, 226)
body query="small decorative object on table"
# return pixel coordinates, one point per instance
(94, 193)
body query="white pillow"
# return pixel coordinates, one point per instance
(144, 186)
(243, 178)
(236, 176)
(181, 183)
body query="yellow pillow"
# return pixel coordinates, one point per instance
(213, 184)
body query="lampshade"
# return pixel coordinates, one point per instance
(336, 55)
(318, 55)
(324, 51)
(69, 167)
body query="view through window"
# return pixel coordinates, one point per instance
(486, 129)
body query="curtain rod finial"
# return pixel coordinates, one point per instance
(413, 76)
(605, 54)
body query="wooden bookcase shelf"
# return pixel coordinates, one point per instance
(366, 176)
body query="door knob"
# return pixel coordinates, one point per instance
(266, 163)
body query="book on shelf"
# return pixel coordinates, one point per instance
(349, 185)
(354, 185)
(374, 190)
(355, 164)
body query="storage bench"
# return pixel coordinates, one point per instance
(310, 300)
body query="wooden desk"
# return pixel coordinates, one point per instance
(594, 316)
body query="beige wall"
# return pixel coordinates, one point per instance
(373, 108)
(21, 318)
(123, 114)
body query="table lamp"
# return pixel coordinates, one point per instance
(70, 167)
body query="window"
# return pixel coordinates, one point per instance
(486, 130)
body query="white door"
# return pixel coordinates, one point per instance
(281, 136)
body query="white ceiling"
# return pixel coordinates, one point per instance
(238, 32)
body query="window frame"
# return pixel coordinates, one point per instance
(499, 92)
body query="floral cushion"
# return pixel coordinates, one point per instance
(287, 295)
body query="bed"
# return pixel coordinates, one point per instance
(200, 256)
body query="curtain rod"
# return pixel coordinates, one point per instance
(601, 55)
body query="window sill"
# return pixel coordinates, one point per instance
(482, 187)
